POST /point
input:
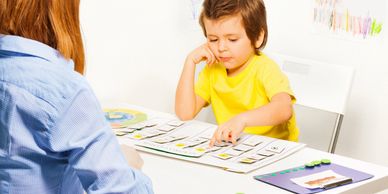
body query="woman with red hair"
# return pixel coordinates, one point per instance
(53, 134)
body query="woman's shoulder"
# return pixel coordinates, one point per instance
(61, 82)
(48, 81)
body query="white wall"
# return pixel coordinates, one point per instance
(135, 51)
(364, 130)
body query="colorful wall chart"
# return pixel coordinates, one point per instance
(121, 118)
(357, 19)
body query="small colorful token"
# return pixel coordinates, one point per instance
(247, 160)
(316, 162)
(285, 171)
(309, 165)
(259, 176)
(223, 156)
(137, 136)
(325, 161)
(200, 149)
(181, 145)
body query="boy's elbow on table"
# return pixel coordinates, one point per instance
(184, 116)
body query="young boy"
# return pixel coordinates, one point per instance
(247, 90)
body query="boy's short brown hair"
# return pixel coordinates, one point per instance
(253, 15)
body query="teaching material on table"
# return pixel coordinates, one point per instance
(313, 179)
(122, 118)
(326, 179)
(189, 141)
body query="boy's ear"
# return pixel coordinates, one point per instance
(260, 40)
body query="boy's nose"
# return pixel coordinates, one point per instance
(221, 46)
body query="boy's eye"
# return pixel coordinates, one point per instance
(233, 39)
(213, 40)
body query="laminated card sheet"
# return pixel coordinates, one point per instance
(189, 141)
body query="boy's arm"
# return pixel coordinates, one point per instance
(278, 111)
(187, 103)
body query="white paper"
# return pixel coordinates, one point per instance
(318, 180)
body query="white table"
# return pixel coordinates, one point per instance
(173, 176)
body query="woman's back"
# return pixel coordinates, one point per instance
(53, 134)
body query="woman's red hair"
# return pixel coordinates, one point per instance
(52, 22)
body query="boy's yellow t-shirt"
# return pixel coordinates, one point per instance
(252, 88)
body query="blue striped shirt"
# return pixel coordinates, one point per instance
(53, 134)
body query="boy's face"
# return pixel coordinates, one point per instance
(229, 42)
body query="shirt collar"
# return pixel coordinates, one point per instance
(17, 44)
